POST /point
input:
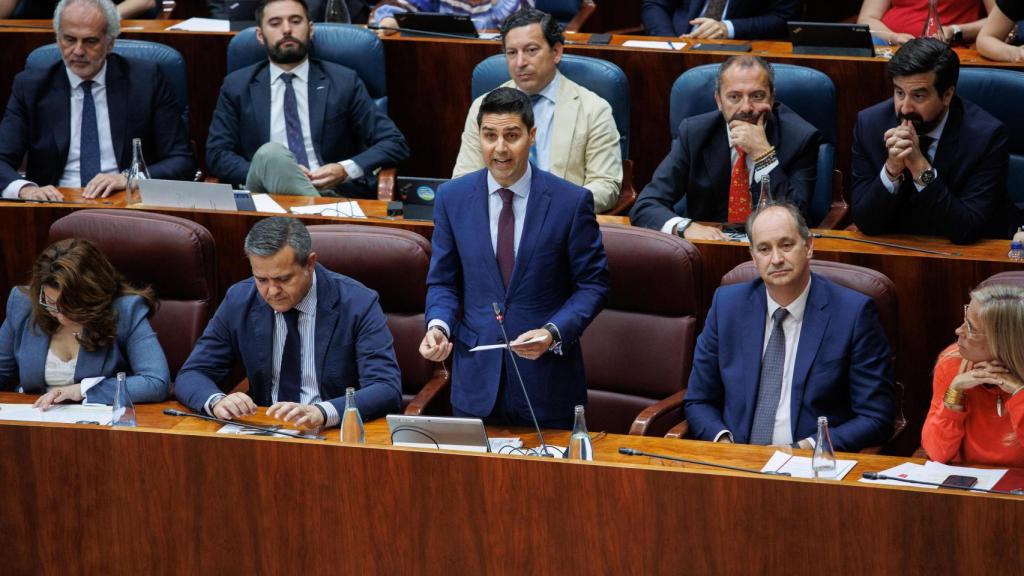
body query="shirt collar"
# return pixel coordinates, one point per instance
(936, 132)
(301, 71)
(521, 187)
(100, 79)
(796, 307)
(551, 90)
(308, 303)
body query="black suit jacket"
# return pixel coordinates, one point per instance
(699, 167)
(357, 10)
(140, 104)
(750, 18)
(967, 201)
(345, 122)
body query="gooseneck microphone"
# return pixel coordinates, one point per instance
(880, 476)
(173, 412)
(421, 32)
(512, 358)
(886, 244)
(635, 452)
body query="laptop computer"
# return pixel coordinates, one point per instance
(416, 24)
(439, 432)
(202, 195)
(417, 196)
(831, 39)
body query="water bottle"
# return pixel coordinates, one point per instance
(352, 431)
(124, 410)
(136, 172)
(932, 24)
(823, 461)
(764, 199)
(579, 442)
(1017, 246)
(337, 12)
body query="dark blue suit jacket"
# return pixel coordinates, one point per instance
(345, 122)
(140, 103)
(842, 367)
(353, 348)
(560, 276)
(753, 19)
(698, 167)
(967, 201)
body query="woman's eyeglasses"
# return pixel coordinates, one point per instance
(50, 307)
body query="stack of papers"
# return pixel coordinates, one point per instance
(655, 44)
(341, 209)
(800, 466)
(202, 25)
(935, 472)
(264, 203)
(62, 413)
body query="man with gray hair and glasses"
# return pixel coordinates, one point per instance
(76, 119)
(302, 333)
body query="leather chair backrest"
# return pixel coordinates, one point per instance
(168, 60)
(1014, 277)
(351, 46)
(639, 349)
(864, 280)
(561, 10)
(394, 263)
(173, 255)
(1000, 92)
(599, 76)
(808, 92)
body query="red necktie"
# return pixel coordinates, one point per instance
(506, 236)
(739, 190)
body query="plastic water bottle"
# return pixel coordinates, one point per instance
(823, 461)
(136, 172)
(124, 410)
(352, 431)
(337, 12)
(579, 442)
(764, 199)
(1017, 246)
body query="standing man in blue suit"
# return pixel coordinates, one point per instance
(517, 236)
(718, 19)
(76, 119)
(303, 334)
(294, 125)
(778, 352)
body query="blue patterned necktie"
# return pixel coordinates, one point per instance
(770, 389)
(534, 100)
(293, 127)
(89, 144)
(289, 382)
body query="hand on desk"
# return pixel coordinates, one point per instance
(701, 232)
(72, 393)
(387, 23)
(707, 28)
(305, 416)
(435, 346)
(45, 193)
(103, 185)
(234, 406)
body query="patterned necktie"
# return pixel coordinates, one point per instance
(925, 142)
(293, 127)
(289, 381)
(89, 145)
(534, 100)
(506, 236)
(715, 9)
(770, 389)
(739, 190)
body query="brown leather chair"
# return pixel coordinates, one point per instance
(394, 263)
(173, 255)
(638, 351)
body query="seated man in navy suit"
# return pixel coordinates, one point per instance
(515, 237)
(928, 162)
(751, 133)
(780, 351)
(303, 334)
(717, 19)
(294, 125)
(76, 119)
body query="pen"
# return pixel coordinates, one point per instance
(697, 46)
(133, 28)
(670, 45)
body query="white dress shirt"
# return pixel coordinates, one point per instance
(935, 134)
(543, 119)
(278, 126)
(730, 31)
(72, 175)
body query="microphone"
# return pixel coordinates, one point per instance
(419, 32)
(880, 476)
(635, 452)
(173, 412)
(886, 244)
(512, 358)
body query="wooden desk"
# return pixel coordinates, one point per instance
(90, 499)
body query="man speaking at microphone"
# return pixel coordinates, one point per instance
(516, 236)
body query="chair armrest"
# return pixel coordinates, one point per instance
(587, 7)
(166, 10)
(679, 430)
(839, 210)
(435, 387)
(386, 184)
(656, 414)
(627, 193)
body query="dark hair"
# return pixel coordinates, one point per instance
(270, 235)
(506, 101)
(549, 26)
(88, 285)
(746, 61)
(923, 55)
(794, 211)
(263, 4)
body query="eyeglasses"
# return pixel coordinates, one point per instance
(971, 332)
(50, 307)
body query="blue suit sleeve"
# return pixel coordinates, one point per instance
(656, 16)
(656, 202)
(14, 129)
(148, 375)
(209, 363)
(589, 269)
(173, 149)
(444, 279)
(770, 24)
(705, 395)
(8, 341)
(223, 142)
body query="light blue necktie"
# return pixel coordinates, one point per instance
(89, 145)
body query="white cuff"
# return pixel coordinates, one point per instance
(731, 31)
(884, 177)
(87, 384)
(758, 174)
(14, 188)
(669, 226)
(352, 170)
(332, 414)
(723, 433)
(442, 324)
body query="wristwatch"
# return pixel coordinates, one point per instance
(958, 34)
(682, 226)
(927, 177)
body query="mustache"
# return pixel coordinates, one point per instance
(751, 117)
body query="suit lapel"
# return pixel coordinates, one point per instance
(812, 332)
(57, 106)
(717, 162)
(949, 143)
(317, 89)
(34, 347)
(753, 347)
(563, 127)
(261, 326)
(259, 94)
(536, 213)
(90, 364)
(117, 101)
(326, 320)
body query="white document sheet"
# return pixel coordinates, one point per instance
(800, 466)
(62, 413)
(340, 209)
(935, 472)
(497, 346)
(264, 203)
(203, 25)
(655, 44)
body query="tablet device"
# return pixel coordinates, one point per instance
(439, 432)
(831, 39)
(433, 24)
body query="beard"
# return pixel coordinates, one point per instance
(920, 125)
(281, 54)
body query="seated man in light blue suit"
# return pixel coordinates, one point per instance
(303, 334)
(68, 334)
(518, 237)
(778, 352)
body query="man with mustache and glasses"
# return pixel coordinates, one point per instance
(928, 162)
(718, 158)
(297, 125)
